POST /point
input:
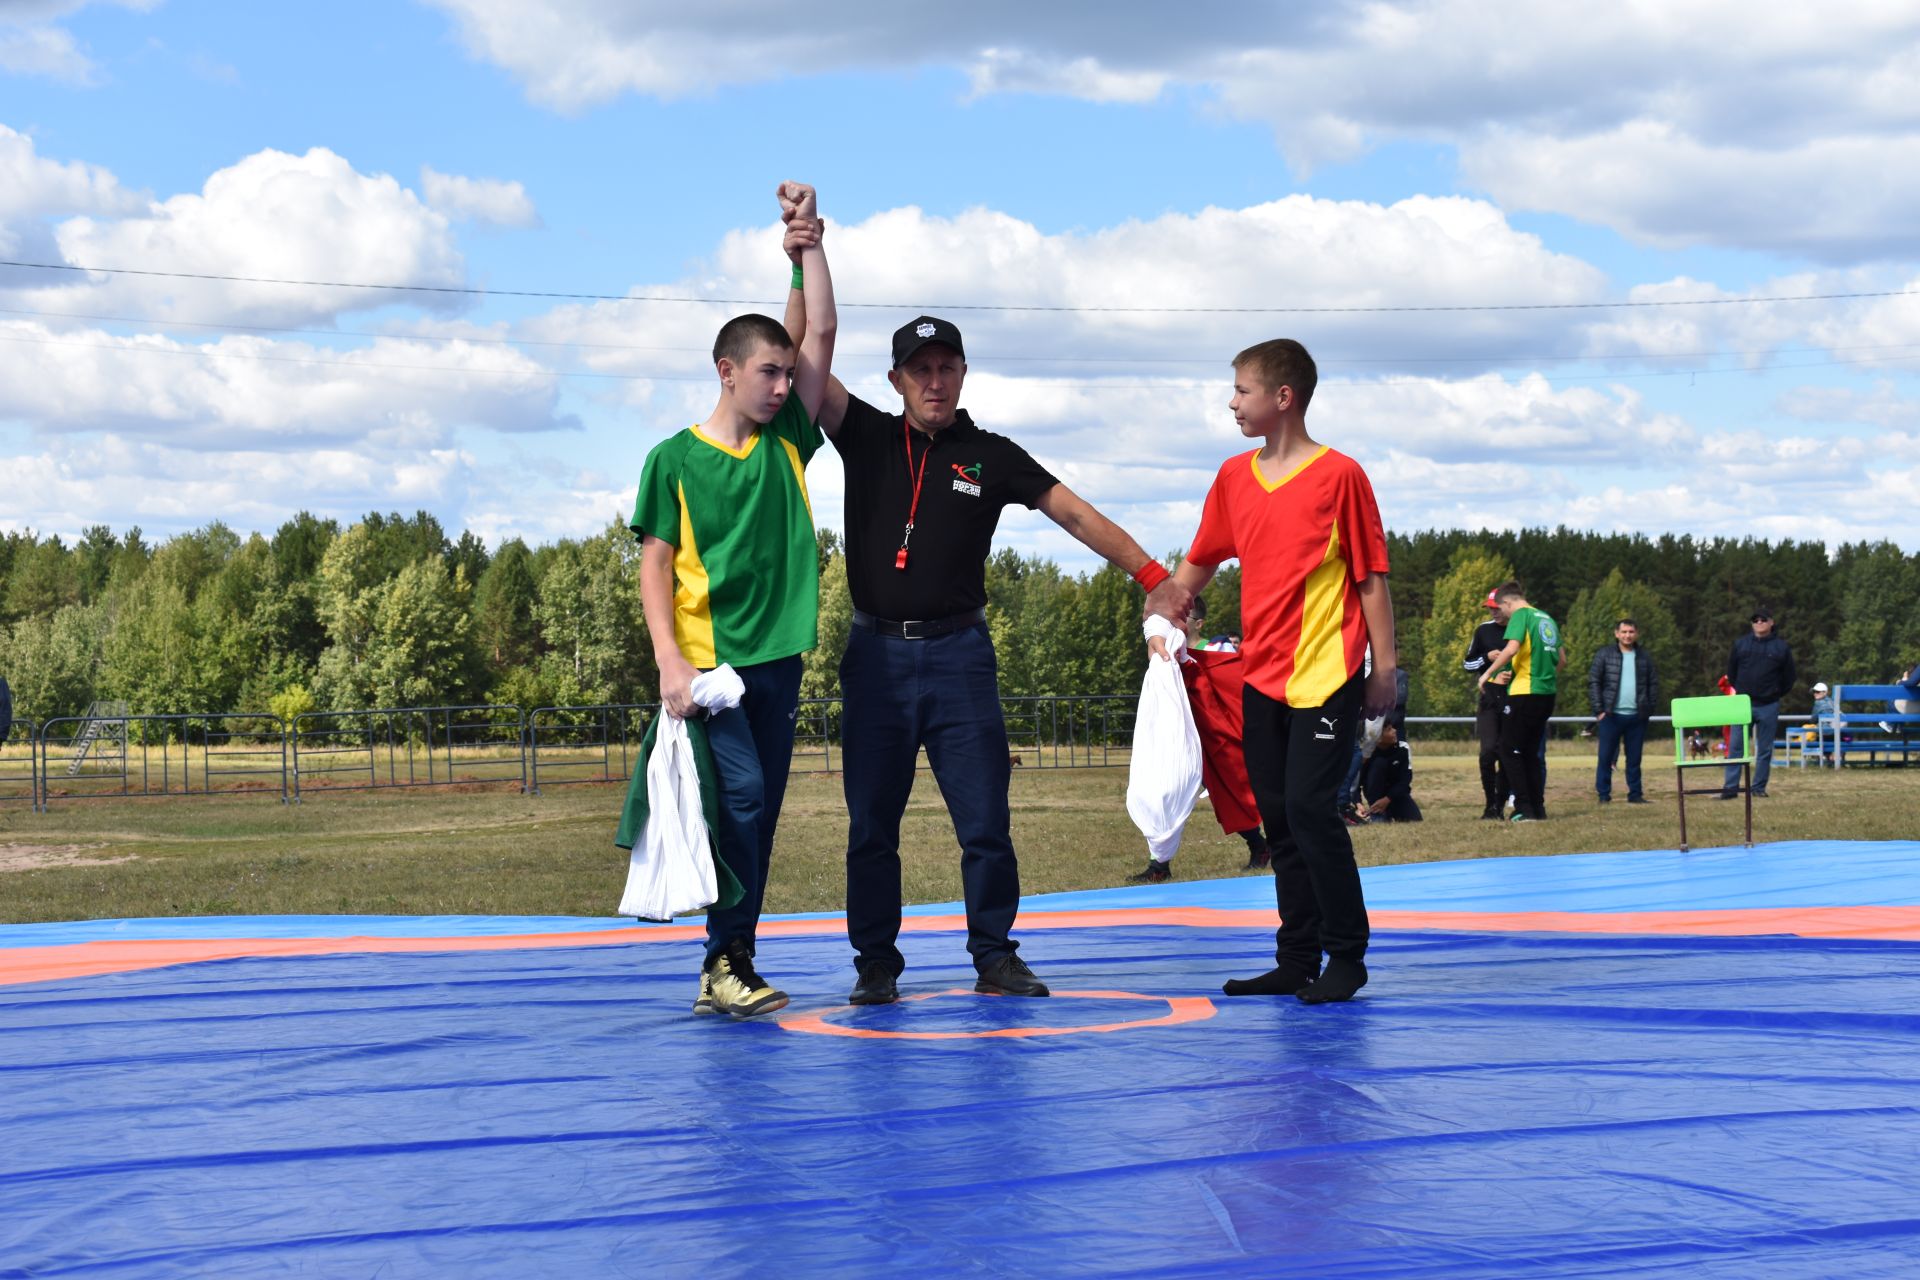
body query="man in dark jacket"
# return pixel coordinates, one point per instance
(1760, 666)
(1624, 690)
(6, 710)
(1488, 639)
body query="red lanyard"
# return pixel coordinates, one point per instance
(900, 556)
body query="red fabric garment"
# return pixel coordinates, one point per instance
(1215, 682)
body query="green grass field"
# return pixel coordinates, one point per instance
(491, 850)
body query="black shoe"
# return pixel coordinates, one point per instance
(1261, 861)
(1157, 872)
(1638, 800)
(1281, 980)
(1605, 799)
(1729, 794)
(876, 986)
(1761, 794)
(1493, 813)
(1009, 976)
(1341, 979)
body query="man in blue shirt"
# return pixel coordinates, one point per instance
(1623, 690)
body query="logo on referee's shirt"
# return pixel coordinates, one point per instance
(967, 479)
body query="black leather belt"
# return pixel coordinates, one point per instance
(918, 630)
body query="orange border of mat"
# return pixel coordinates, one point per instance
(1180, 1009)
(90, 959)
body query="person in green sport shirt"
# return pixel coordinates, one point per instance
(728, 575)
(1533, 650)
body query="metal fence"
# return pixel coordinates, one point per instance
(406, 747)
(120, 756)
(116, 756)
(20, 762)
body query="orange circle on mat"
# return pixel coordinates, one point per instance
(1179, 1009)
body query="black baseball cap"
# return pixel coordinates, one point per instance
(1761, 614)
(918, 332)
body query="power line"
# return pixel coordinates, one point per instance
(1190, 384)
(552, 295)
(1492, 359)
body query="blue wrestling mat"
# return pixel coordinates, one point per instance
(1727, 1089)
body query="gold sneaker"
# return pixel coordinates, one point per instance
(737, 989)
(703, 1003)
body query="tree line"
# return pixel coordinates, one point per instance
(392, 612)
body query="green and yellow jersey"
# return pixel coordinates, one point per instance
(1536, 663)
(746, 576)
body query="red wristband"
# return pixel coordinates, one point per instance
(1151, 574)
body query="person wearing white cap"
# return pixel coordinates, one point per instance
(1823, 710)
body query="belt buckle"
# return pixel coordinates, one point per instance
(912, 631)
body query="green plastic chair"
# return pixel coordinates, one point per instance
(1719, 712)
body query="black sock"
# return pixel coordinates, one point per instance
(1282, 980)
(1341, 979)
(1255, 845)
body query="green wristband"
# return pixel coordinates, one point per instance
(797, 278)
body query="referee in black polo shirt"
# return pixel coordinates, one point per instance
(924, 493)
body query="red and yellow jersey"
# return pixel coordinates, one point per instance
(1304, 542)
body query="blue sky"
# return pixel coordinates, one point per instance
(1427, 154)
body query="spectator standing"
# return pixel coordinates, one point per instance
(1760, 665)
(1488, 639)
(6, 711)
(1624, 689)
(1533, 650)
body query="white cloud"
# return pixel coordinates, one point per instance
(1295, 252)
(1842, 199)
(1792, 129)
(1881, 406)
(33, 186)
(30, 46)
(486, 200)
(45, 51)
(70, 484)
(573, 54)
(273, 215)
(258, 393)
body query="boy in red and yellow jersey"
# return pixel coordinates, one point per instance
(1301, 519)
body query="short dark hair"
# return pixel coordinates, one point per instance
(740, 335)
(1626, 622)
(1281, 362)
(1508, 589)
(1199, 609)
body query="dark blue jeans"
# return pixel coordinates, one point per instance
(1766, 721)
(942, 694)
(1351, 781)
(1612, 731)
(752, 752)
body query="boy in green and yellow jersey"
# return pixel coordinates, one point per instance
(1533, 651)
(728, 575)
